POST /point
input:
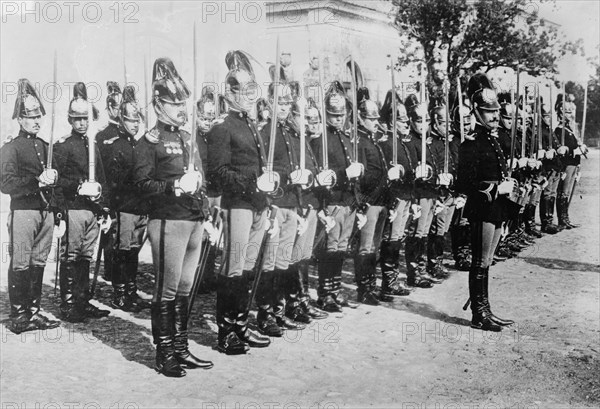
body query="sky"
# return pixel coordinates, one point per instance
(88, 38)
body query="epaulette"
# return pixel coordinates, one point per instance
(63, 138)
(185, 135)
(153, 135)
(111, 140)
(8, 139)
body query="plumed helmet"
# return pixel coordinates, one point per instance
(569, 104)
(507, 110)
(129, 109)
(240, 78)
(482, 94)
(206, 104)
(386, 113)
(79, 105)
(366, 108)
(113, 98)
(27, 104)
(335, 99)
(167, 85)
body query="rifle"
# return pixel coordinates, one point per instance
(260, 260)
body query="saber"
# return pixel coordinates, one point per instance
(354, 111)
(446, 140)
(424, 116)
(539, 118)
(551, 133)
(91, 134)
(268, 170)
(191, 167)
(585, 102)
(59, 216)
(563, 119)
(394, 114)
(460, 104)
(323, 120)
(124, 64)
(524, 124)
(513, 130)
(301, 107)
(146, 103)
(51, 142)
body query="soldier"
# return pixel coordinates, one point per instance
(272, 288)
(82, 183)
(30, 182)
(570, 155)
(113, 103)
(236, 159)
(374, 186)
(401, 176)
(481, 173)
(551, 168)
(425, 194)
(130, 221)
(340, 200)
(174, 191)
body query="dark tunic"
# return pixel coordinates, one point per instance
(407, 157)
(424, 189)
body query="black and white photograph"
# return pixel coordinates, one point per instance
(288, 204)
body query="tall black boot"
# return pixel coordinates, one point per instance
(435, 257)
(486, 301)
(69, 309)
(36, 277)
(267, 323)
(561, 210)
(293, 307)
(389, 260)
(281, 285)
(180, 337)
(421, 257)
(566, 205)
(365, 270)
(163, 328)
(118, 274)
(131, 271)
(82, 291)
(241, 288)
(547, 215)
(227, 306)
(18, 293)
(481, 316)
(304, 296)
(327, 264)
(411, 250)
(340, 298)
(529, 219)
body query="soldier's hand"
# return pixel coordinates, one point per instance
(423, 172)
(268, 182)
(506, 187)
(302, 226)
(396, 172)
(93, 190)
(581, 150)
(59, 231)
(328, 221)
(326, 178)
(532, 163)
(514, 163)
(188, 183)
(445, 179)
(211, 232)
(541, 154)
(523, 162)
(562, 150)
(361, 220)
(355, 170)
(416, 211)
(48, 177)
(105, 220)
(550, 154)
(392, 216)
(439, 207)
(460, 202)
(272, 228)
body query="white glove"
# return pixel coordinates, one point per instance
(541, 154)
(532, 163)
(416, 211)
(301, 177)
(550, 154)
(439, 207)
(328, 221)
(514, 163)
(93, 190)
(105, 223)
(326, 178)
(188, 183)
(422, 172)
(445, 179)
(355, 170)
(396, 172)
(361, 220)
(212, 232)
(267, 182)
(562, 150)
(584, 148)
(59, 230)
(460, 202)
(48, 177)
(272, 229)
(506, 187)
(302, 226)
(581, 149)
(544, 183)
(538, 164)
(392, 216)
(523, 162)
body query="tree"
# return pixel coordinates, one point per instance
(592, 123)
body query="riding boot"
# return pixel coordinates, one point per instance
(340, 298)
(327, 264)
(69, 309)
(421, 257)
(305, 302)
(529, 216)
(389, 263)
(365, 294)
(561, 208)
(241, 287)
(486, 301)
(435, 257)
(281, 285)
(82, 288)
(36, 277)
(163, 329)
(267, 322)
(566, 207)
(293, 307)
(180, 337)
(411, 250)
(131, 272)
(227, 307)
(18, 293)
(118, 274)
(481, 317)
(547, 215)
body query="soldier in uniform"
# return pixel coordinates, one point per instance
(113, 103)
(177, 212)
(481, 176)
(29, 181)
(340, 200)
(551, 165)
(272, 288)
(425, 195)
(130, 219)
(236, 158)
(570, 156)
(374, 185)
(399, 199)
(85, 202)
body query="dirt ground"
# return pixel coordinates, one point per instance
(417, 352)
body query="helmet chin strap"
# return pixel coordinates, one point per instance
(165, 117)
(480, 120)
